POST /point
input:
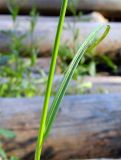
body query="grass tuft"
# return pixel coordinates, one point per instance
(48, 117)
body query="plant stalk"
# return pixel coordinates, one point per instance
(50, 80)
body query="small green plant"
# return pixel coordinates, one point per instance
(66, 53)
(15, 72)
(13, 8)
(7, 135)
(48, 117)
(90, 64)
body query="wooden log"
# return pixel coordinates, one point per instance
(87, 126)
(45, 33)
(48, 7)
(90, 85)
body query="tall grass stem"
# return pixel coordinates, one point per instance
(50, 80)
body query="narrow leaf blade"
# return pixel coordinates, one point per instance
(90, 43)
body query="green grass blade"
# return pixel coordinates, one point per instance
(50, 79)
(89, 43)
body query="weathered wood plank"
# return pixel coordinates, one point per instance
(95, 85)
(48, 6)
(87, 126)
(45, 33)
(103, 84)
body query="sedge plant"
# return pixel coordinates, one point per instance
(49, 114)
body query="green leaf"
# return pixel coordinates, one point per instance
(13, 8)
(34, 17)
(14, 158)
(92, 68)
(7, 133)
(90, 43)
(109, 62)
(2, 153)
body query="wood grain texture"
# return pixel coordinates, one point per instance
(44, 34)
(87, 126)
